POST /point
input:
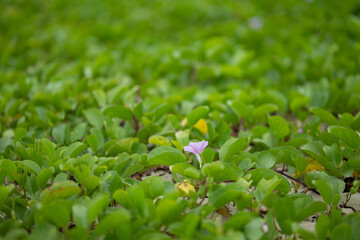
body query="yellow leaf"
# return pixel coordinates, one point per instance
(184, 187)
(312, 165)
(223, 211)
(159, 140)
(201, 126)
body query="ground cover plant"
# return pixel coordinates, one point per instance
(178, 119)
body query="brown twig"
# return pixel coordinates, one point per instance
(202, 200)
(298, 181)
(204, 184)
(136, 124)
(346, 206)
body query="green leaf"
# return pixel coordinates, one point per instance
(7, 167)
(110, 182)
(296, 142)
(285, 214)
(278, 126)
(99, 136)
(300, 163)
(240, 108)
(4, 142)
(342, 231)
(94, 117)
(265, 159)
(334, 158)
(159, 140)
(117, 221)
(165, 156)
(121, 197)
(35, 155)
(315, 175)
(47, 147)
(354, 162)
(93, 142)
(265, 187)
(138, 202)
(161, 110)
(100, 97)
(196, 114)
(97, 205)
(4, 192)
(189, 226)
(80, 215)
(79, 132)
(231, 71)
(257, 175)
(315, 150)
(262, 111)
(90, 183)
(182, 137)
(355, 187)
(19, 133)
(128, 165)
(31, 186)
(30, 166)
(325, 116)
(299, 102)
(221, 171)
(208, 155)
(74, 149)
(226, 194)
(115, 147)
(322, 226)
(60, 190)
(153, 186)
(245, 164)
(192, 172)
(333, 154)
(185, 169)
(324, 189)
(328, 139)
(254, 229)
(57, 212)
(118, 111)
(239, 221)
(43, 176)
(28, 141)
(348, 136)
(231, 147)
(169, 210)
(309, 210)
(61, 133)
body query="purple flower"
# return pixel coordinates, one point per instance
(196, 148)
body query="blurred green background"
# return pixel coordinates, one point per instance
(276, 43)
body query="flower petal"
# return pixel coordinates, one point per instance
(194, 145)
(197, 148)
(203, 145)
(199, 159)
(190, 149)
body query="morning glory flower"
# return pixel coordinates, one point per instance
(196, 148)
